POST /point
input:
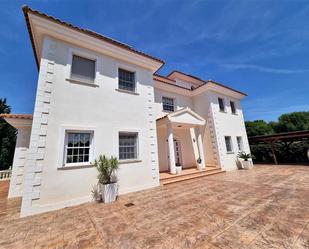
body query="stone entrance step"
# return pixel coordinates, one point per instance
(166, 178)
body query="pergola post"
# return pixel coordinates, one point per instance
(273, 150)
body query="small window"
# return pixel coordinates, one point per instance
(228, 144)
(126, 80)
(82, 68)
(77, 148)
(233, 109)
(239, 143)
(221, 104)
(127, 146)
(168, 104)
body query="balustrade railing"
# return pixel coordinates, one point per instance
(5, 174)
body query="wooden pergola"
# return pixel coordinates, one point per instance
(280, 137)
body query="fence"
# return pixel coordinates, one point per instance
(5, 174)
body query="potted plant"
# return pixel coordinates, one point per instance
(245, 156)
(178, 168)
(107, 168)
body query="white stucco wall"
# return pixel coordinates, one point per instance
(180, 101)
(218, 125)
(228, 124)
(20, 157)
(202, 106)
(103, 110)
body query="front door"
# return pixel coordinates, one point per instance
(177, 149)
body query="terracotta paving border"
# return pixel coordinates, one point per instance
(265, 207)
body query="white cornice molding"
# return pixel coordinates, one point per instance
(218, 89)
(19, 122)
(207, 87)
(42, 27)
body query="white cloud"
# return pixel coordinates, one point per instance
(263, 69)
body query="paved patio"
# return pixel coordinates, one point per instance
(266, 207)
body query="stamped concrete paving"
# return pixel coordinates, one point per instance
(266, 207)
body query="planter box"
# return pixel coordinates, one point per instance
(109, 192)
(178, 169)
(247, 164)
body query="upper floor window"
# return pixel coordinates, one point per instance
(127, 145)
(233, 108)
(221, 104)
(83, 68)
(126, 80)
(168, 104)
(228, 144)
(77, 147)
(240, 144)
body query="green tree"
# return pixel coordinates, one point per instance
(295, 121)
(258, 127)
(7, 138)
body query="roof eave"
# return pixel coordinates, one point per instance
(157, 63)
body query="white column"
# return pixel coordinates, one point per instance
(200, 146)
(171, 151)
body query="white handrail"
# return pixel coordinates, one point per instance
(5, 174)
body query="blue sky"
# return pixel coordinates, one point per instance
(259, 47)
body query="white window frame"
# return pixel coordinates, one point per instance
(130, 69)
(231, 101)
(134, 88)
(241, 148)
(224, 106)
(91, 148)
(231, 141)
(86, 55)
(174, 105)
(137, 146)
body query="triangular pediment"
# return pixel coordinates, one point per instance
(186, 116)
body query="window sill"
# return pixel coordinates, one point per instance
(76, 167)
(81, 82)
(235, 114)
(230, 152)
(129, 161)
(126, 91)
(167, 111)
(222, 111)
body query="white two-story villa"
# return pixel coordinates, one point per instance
(98, 96)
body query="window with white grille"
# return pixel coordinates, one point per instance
(233, 108)
(240, 143)
(228, 144)
(77, 147)
(126, 80)
(127, 145)
(168, 104)
(221, 104)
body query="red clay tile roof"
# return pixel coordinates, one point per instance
(189, 75)
(27, 10)
(163, 117)
(163, 78)
(168, 81)
(21, 116)
(207, 81)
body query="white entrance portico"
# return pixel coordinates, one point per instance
(195, 124)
